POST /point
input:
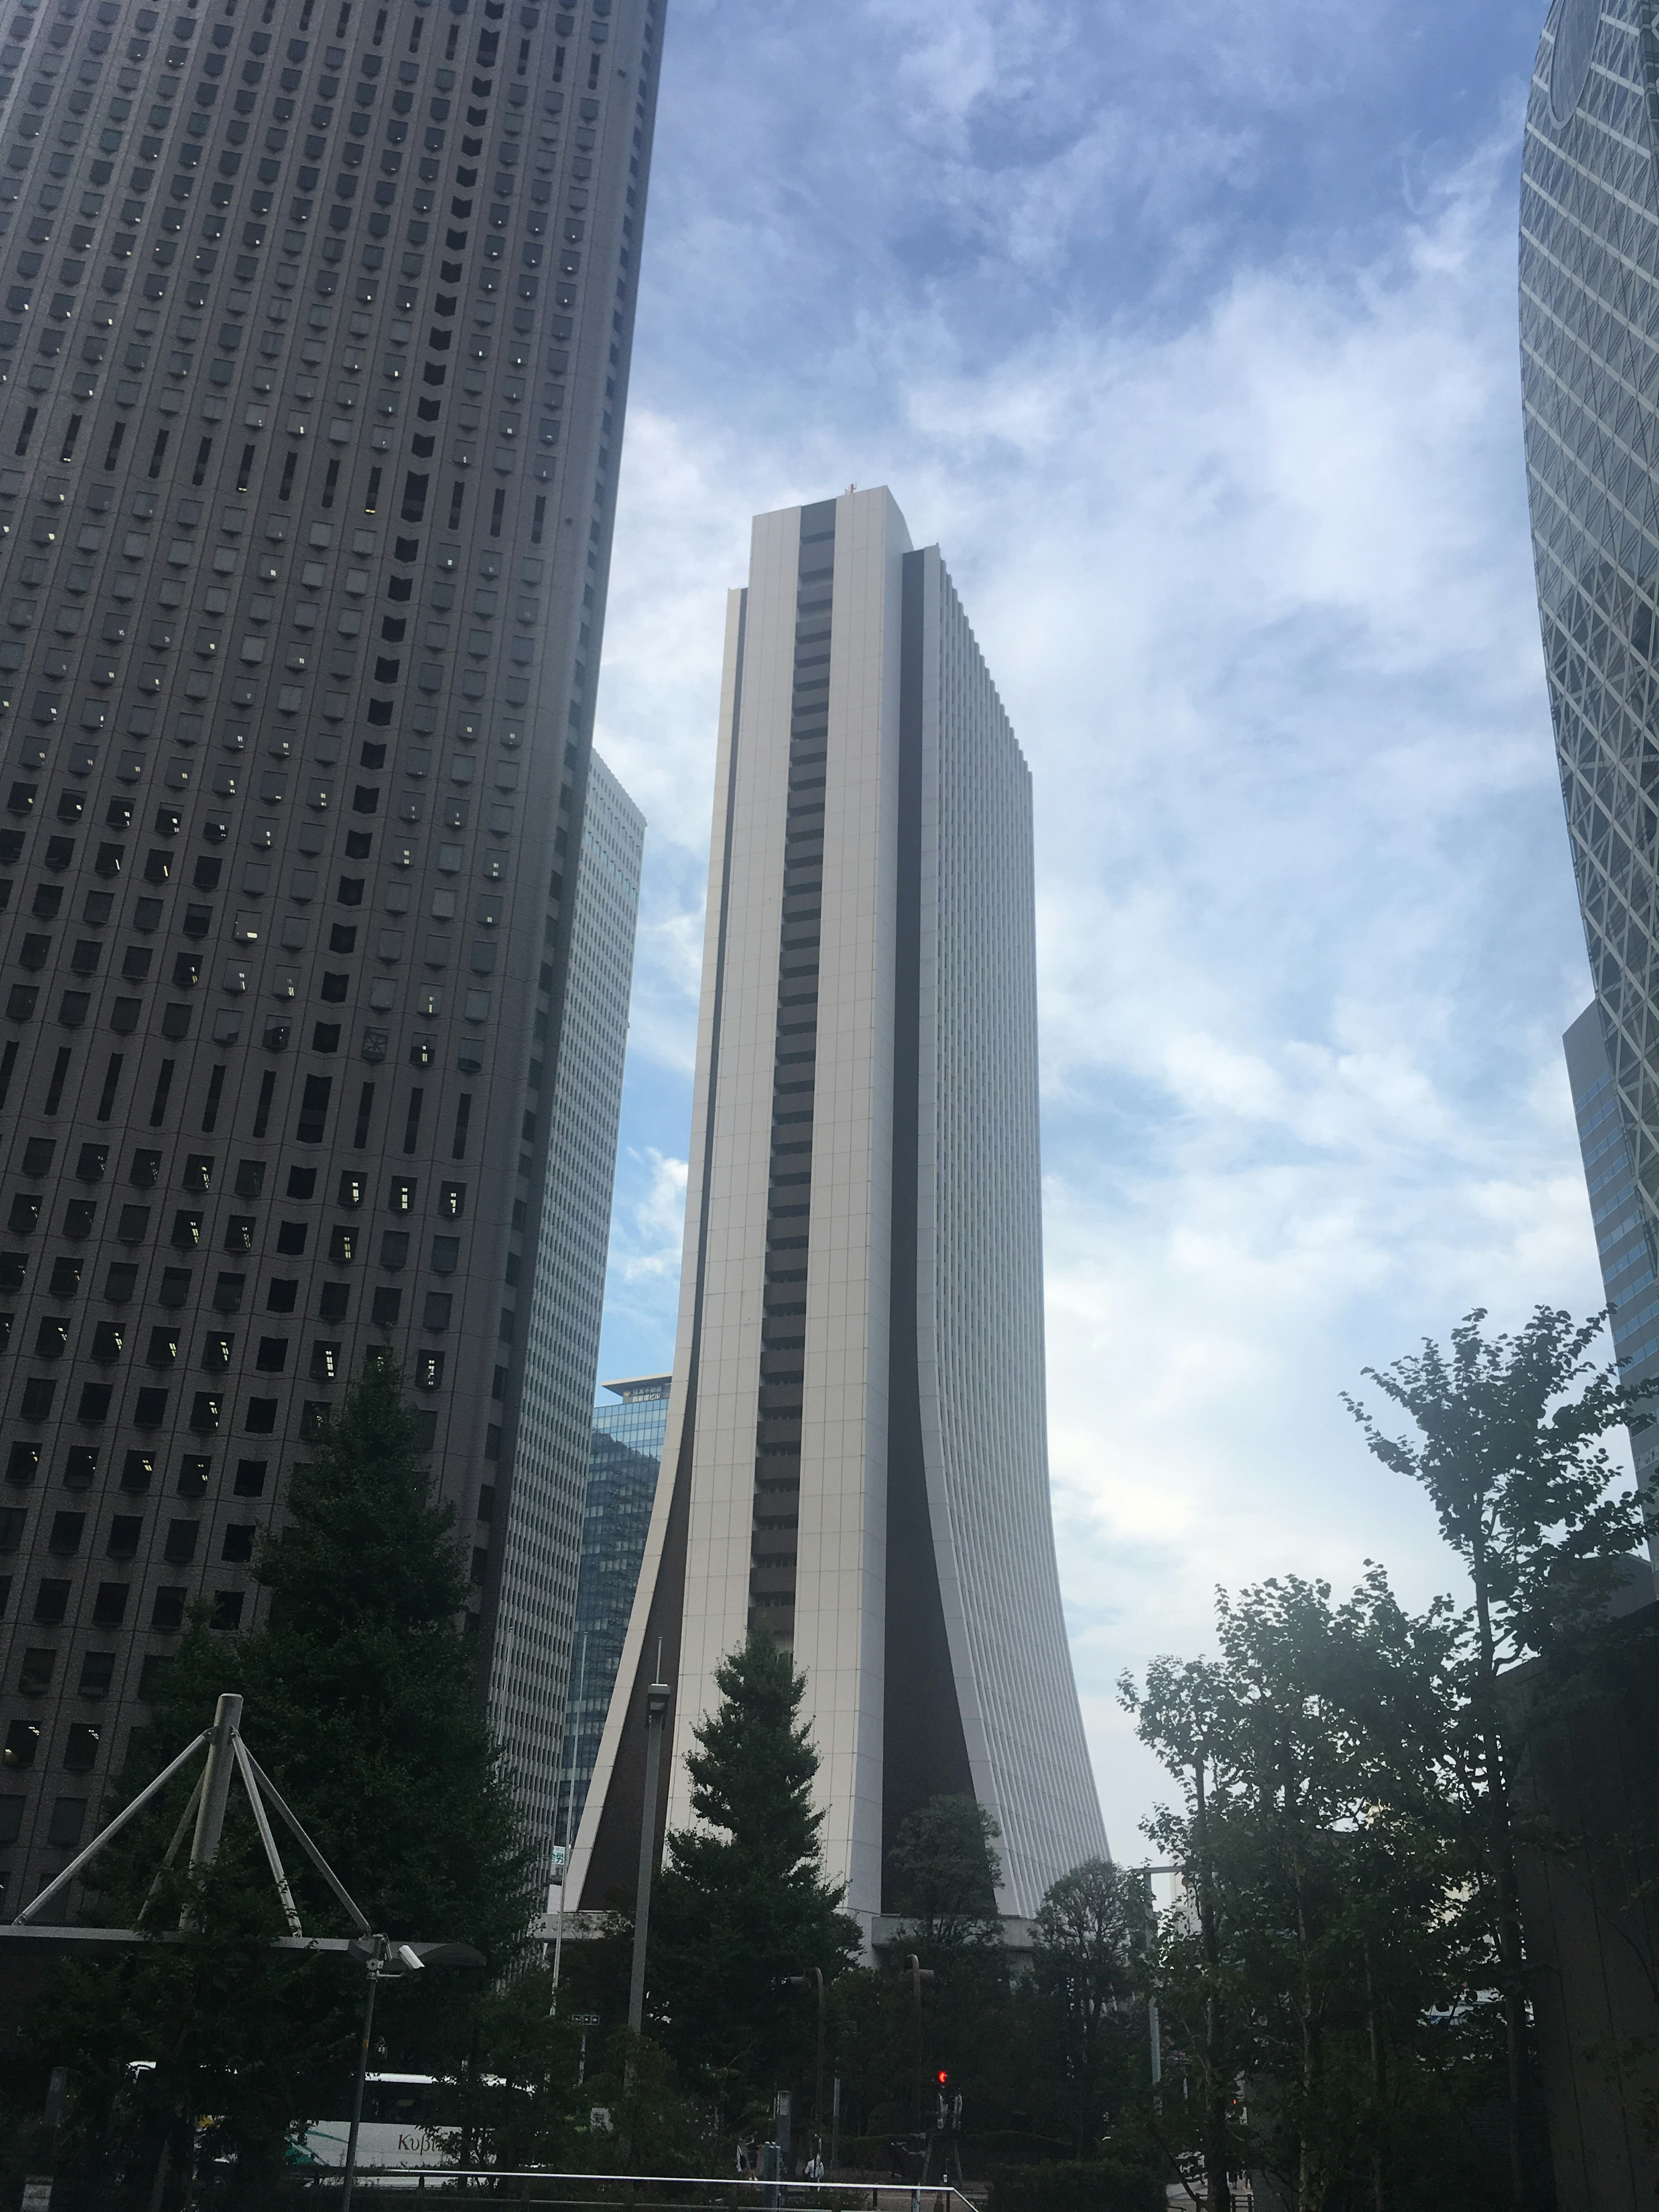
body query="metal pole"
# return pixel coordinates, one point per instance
(835, 2126)
(656, 1709)
(362, 2076)
(216, 1791)
(215, 1780)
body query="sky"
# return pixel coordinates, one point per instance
(1188, 333)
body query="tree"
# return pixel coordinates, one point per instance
(1089, 1928)
(1514, 1464)
(360, 1702)
(946, 1869)
(742, 1904)
(1322, 1842)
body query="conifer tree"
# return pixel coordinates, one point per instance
(360, 1703)
(742, 1904)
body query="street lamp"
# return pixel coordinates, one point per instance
(813, 1978)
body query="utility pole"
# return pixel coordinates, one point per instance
(656, 1711)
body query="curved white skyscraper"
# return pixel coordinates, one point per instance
(857, 1434)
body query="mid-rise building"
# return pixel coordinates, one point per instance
(315, 320)
(626, 1456)
(856, 1447)
(542, 1543)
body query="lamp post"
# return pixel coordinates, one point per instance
(656, 1711)
(813, 1978)
(918, 1974)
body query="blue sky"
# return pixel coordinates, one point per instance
(1188, 333)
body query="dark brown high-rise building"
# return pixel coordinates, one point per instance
(314, 329)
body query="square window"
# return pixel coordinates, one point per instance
(35, 1676)
(67, 1531)
(279, 1296)
(150, 1409)
(125, 1530)
(52, 1602)
(180, 1546)
(445, 1255)
(23, 1463)
(194, 1469)
(324, 1363)
(251, 1477)
(168, 1610)
(68, 1818)
(22, 1741)
(261, 1417)
(151, 1674)
(272, 1357)
(138, 1470)
(80, 1751)
(238, 1546)
(388, 1303)
(227, 1610)
(394, 1248)
(95, 1403)
(97, 1673)
(80, 1465)
(250, 1178)
(291, 1237)
(436, 1312)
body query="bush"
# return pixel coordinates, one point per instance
(1075, 2186)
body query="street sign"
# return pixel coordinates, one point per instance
(37, 2193)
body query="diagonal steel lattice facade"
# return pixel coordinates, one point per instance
(1589, 347)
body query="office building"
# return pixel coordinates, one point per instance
(856, 1431)
(1589, 329)
(541, 1541)
(315, 318)
(626, 1454)
(1622, 1243)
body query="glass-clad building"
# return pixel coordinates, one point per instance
(622, 1484)
(1589, 347)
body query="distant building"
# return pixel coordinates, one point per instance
(857, 1435)
(621, 1483)
(540, 1546)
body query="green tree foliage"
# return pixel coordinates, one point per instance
(1090, 1929)
(1325, 1988)
(945, 1869)
(743, 1903)
(1509, 1450)
(360, 1703)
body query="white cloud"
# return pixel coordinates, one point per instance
(1253, 579)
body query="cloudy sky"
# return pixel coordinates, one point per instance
(1188, 333)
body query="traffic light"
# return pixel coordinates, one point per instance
(943, 2079)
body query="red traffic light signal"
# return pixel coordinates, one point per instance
(943, 2077)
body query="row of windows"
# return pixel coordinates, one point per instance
(196, 1173)
(138, 1470)
(124, 1538)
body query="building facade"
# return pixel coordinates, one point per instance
(626, 1456)
(542, 1543)
(857, 1432)
(1589, 333)
(315, 318)
(1623, 1246)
